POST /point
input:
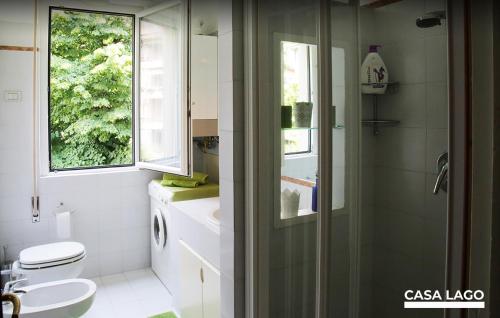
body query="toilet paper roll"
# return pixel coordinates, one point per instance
(63, 224)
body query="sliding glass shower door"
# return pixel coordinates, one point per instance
(288, 94)
(352, 196)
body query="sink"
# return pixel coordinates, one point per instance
(214, 217)
(57, 299)
(213, 220)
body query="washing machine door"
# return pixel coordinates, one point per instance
(159, 230)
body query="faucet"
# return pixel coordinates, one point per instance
(16, 303)
(10, 286)
(442, 169)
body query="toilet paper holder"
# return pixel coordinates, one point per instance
(59, 209)
(63, 221)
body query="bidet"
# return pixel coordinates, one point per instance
(58, 299)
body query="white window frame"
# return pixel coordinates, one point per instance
(186, 165)
(42, 78)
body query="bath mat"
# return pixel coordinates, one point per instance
(167, 314)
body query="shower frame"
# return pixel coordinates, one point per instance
(458, 225)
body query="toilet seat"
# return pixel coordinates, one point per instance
(49, 255)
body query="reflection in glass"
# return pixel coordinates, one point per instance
(338, 120)
(161, 87)
(298, 87)
(296, 79)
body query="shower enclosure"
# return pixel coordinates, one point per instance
(352, 200)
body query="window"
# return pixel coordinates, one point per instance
(162, 94)
(91, 76)
(117, 89)
(297, 86)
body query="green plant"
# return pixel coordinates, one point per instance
(90, 89)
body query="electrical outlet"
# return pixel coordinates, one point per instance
(13, 96)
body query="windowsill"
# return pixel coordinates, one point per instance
(303, 216)
(300, 213)
(87, 172)
(300, 156)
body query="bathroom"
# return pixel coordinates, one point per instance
(58, 189)
(247, 158)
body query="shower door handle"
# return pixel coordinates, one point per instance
(442, 178)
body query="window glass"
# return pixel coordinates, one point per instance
(163, 90)
(296, 87)
(90, 89)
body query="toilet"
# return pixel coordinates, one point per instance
(50, 262)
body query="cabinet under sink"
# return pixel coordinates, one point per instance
(200, 285)
(198, 251)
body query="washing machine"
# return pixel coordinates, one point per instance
(163, 239)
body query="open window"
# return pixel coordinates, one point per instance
(163, 121)
(117, 88)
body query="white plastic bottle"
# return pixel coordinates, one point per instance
(374, 74)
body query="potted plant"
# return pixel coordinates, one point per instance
(302, 114)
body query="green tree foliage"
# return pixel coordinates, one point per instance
(90, 89)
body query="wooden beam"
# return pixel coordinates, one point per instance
(302, 182)
(376, 3)
(16, 48)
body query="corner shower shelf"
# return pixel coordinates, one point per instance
(392, 87)
(380, 122)
(311, 128)
(375, 122)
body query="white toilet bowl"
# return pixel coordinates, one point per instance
(51, 262)
(59, 299)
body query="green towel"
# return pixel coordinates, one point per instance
(181, 194)
(202, 178)
(167, 314)
(180, 183)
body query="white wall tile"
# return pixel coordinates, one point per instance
(12, 233)
(111, 241)
(437, 105)
(90, 238)
(435, 5)
(436, 53)
(135, 238)
(136, 259)
(227, 296)
(396, 22)
(225, 57)
(400, 190)
(15, 208)
(398, 231)
(407, 105)
(110, 263)
(437, 143)
(35, 233)
(408, 222)
(436, 206)
(91, 268)
(406, 61)
(401, 148)
(231, 155)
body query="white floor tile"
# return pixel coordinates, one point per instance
(153, 307)
(145, 285)
(117, 288)
(134, 294)
(128, 309)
